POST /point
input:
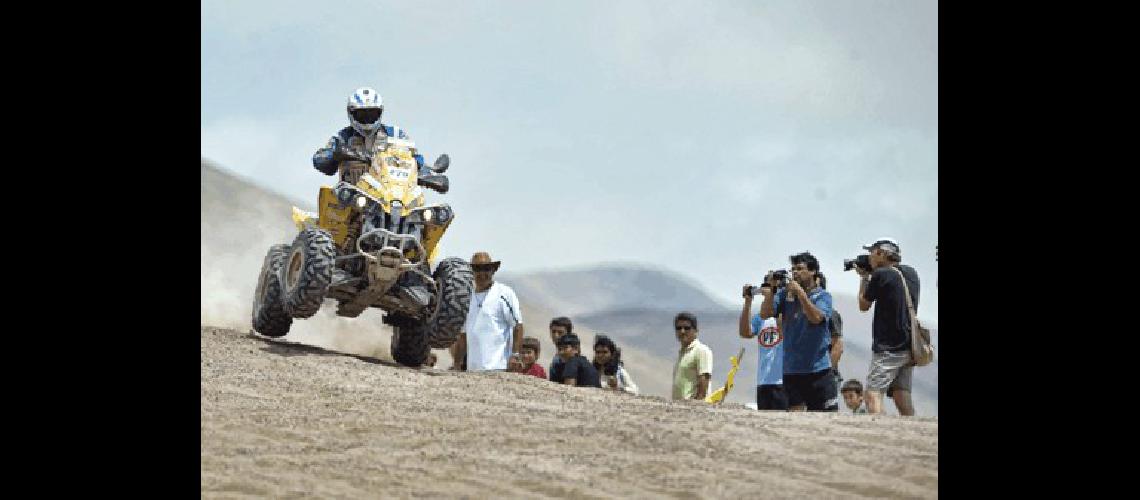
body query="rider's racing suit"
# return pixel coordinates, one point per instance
(324, 159)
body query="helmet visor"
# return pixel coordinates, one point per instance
(367, 115)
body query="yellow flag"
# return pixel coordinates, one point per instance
(718, 395)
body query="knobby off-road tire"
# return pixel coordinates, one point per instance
(456, 282)
(410, 345)
(307, 272)
(269, 316)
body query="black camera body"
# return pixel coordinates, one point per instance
(862, 262)
(781, 276)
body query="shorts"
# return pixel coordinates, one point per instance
(816, 390)
(771, 397)
(890, 370)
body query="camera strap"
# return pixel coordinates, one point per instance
(906, 291)
(921, 347)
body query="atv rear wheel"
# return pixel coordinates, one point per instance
(410, 345)
(269, 316)
(307, 272)
(455, 280)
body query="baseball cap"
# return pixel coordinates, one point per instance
(569, 339)
(888, 244)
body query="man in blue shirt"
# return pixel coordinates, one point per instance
(804, 307)
(770, 394)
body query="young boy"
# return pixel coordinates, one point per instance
(853, 395)
(574, 369)
(528, 355)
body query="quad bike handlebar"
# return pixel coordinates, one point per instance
(346, 154)
(431, 178)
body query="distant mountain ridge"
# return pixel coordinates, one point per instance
(633, 302)
(611, 286)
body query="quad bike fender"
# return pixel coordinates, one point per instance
(302, 218)
(432, 234)
(333, 217)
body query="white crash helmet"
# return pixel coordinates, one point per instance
(364, 109)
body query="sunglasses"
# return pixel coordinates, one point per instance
(483, 267)
(683, 328)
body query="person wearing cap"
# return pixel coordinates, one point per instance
(493, 331)
(575, 369)
(558, 327)
(892, 365)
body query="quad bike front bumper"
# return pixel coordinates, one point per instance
(389, 255)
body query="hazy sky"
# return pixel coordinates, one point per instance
(710, 138)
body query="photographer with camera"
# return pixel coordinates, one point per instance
(892, 364)
(770, 393)
(805, 308)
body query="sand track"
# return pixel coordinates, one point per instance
(288, 420)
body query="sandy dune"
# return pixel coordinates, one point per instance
(282, 420)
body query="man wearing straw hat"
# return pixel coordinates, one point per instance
(494, 330)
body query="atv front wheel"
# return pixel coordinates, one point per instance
(269, 316)
(455, 280)
(410, 345)
(306, 273)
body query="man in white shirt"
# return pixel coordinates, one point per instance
(494, 330)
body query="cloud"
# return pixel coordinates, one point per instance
(706, 138)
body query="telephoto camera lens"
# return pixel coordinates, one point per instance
(862, 262)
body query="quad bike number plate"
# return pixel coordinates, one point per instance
(399, 174)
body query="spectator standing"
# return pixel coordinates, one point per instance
(693, 369)
(611, 369)
(835, 326)
(805, 308)
(892, 364)
(494, 329)
(770, 393)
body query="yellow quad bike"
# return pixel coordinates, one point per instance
(372, 245)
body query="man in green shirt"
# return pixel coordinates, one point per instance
(693, 369)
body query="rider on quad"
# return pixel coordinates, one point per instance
(365, 106)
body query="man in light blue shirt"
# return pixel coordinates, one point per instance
(770, 394)
(804, 308)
